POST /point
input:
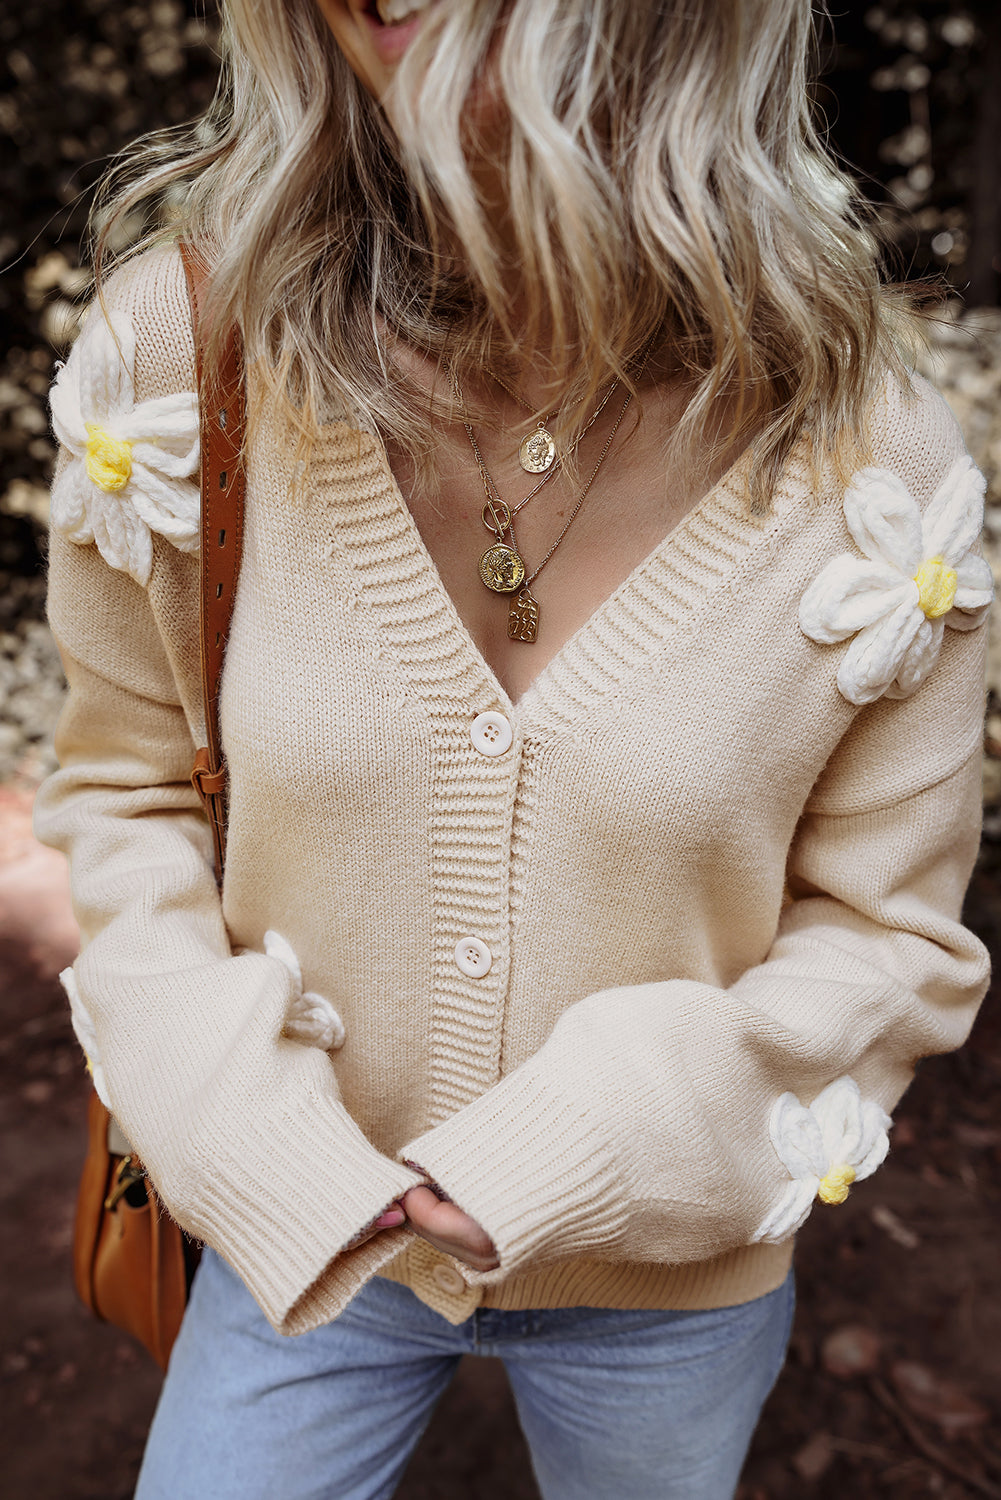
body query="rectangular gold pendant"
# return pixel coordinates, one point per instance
(523, 620)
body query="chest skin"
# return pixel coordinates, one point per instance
(636, 499)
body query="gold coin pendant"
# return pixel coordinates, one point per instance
(502, 569)
(537, 452)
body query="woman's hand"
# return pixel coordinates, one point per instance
(390, 1218)
(447, 1228)
(439, 1222)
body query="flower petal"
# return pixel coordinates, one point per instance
(797, 1138)
(953, 520)
(105, 355)
(178, 409)
(918, 660)
(792, 1210)
(875, 1142)
(96, 387)
(71, 492)
(123, 538)
(312, 1019)
(173, 462)
(167, 426)
(170, 507)
(64, 405)
(309, 1017)
(838, 1112)
(848, 595)
(974, 583)
(276, 946)
(961, 619)
(874, 657)
(884, 519)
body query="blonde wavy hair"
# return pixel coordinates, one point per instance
(667, 189)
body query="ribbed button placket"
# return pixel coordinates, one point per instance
(473, 791)
(471, 837)
(440, 1283)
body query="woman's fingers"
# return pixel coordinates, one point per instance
(390, 1218)
(445, 1226)
(442, 1224)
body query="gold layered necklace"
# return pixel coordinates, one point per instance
(538, 451)
(502, 568)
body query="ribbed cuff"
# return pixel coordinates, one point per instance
(528, 1165)
(284, 1206)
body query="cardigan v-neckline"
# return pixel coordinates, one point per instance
(417, 615)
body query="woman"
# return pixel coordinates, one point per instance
(601, 708)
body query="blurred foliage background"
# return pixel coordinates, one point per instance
(913, 101)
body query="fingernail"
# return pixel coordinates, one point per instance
(391, 1219)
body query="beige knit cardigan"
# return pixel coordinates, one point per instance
(702, 880)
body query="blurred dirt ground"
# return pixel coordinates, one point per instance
(893, 1384)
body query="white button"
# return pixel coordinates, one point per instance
(473, 957)
(449, 1280)
(491, 734)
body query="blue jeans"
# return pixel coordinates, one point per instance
(649, 1405)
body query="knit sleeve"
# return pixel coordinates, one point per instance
(675, 1121)
(241, 1128)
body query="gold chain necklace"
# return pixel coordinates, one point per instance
(538, 452)
(501, 567)
(500, 561)
(499, 508)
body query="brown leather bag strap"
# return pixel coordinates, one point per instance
(222, 405)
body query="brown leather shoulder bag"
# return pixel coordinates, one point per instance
(132, 1263)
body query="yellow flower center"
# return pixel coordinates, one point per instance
(109, 459)
(834, 1187)
(936, 587)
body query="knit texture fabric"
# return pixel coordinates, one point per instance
(702, 878)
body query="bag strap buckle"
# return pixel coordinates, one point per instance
(130, 1171)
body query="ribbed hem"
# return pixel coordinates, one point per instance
(726, 1281)
(528, 1165)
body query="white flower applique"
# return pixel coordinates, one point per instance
(131, 466)
(917, 574)
(309, 1018)
(85, 1034)
(839, 1140)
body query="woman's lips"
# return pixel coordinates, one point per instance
(391, 12)
(393, 24)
